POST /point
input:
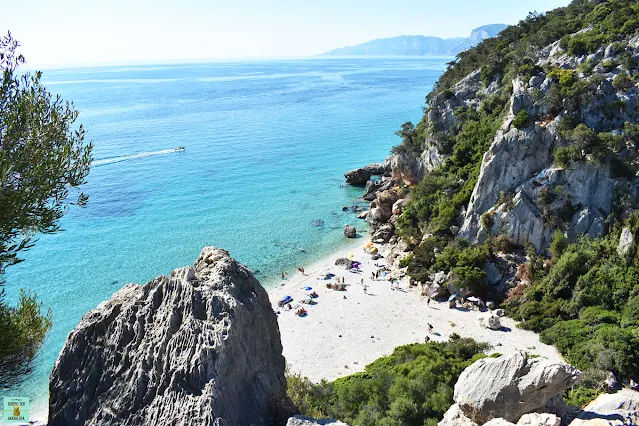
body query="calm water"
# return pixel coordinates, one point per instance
(267, 144)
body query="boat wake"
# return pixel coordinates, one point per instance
(134, 156)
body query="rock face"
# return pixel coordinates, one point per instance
(201, 347)
(621, 408)
(510, 386)
(350, 231)
(357, 177)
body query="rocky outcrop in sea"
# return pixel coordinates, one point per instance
(198, 347)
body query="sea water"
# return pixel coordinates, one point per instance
(267, 145)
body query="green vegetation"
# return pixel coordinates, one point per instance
(42, 157)
(521, 120)
(587, 303)
(413, 386)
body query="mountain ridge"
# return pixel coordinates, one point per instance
(419, 45)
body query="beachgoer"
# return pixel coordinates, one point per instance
(430, 328)
(373, 275)
(365, 289)
(428, 301)
(362, 281)
(283, 275)
(426, 339)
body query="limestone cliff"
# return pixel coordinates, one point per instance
(199, 347)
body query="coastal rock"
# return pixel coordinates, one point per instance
(384, 233)
(376, 169)
(518, 385)
(308, 421)
(357, 177)
(382, 208)
(199, 347)
(350, 231)
(621, 408)
(490, 320)
(626, 243)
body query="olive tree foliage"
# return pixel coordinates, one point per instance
(43, 161)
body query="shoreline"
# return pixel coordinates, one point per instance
(341, 335)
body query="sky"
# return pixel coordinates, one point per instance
(131, 31)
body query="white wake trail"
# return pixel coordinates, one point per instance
(132, 157)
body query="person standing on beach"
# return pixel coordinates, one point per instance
(428, 301)
(430, 328)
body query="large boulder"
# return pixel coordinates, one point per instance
(357, 177)
(621, 408)
(308, 421)
(198, 347)
(350, 231)
(510, 386)
(490, 320)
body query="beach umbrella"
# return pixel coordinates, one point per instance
(435, 294)
(452, 296)
(308, 288)
(472, 299)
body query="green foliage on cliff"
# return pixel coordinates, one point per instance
(510, 50)
(438, 198)
(411, 387)
(42, 160)
(587, 303)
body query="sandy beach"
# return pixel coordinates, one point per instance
(346, 330)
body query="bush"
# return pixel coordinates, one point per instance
(521, 120)
(587, 305)
(558, 244)
(413, 386)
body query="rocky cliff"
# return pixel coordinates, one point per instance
(198, 347)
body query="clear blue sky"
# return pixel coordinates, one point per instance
(97, 31)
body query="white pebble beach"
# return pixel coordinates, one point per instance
(345, 330)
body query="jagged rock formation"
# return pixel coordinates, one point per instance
(621, 408)
(200, 347)
(509, 387)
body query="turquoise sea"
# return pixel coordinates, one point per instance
(267, 144)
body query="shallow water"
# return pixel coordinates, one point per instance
(267, 144)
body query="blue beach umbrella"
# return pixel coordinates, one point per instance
(452, 297)
(308, 288)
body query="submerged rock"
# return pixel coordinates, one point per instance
(510, 386)
(201, 347)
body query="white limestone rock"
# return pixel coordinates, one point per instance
(510, 386)
(621, 408)
(308, 421)
(626, 243)
(199, 347)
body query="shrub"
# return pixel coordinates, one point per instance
(622, 81)
(559, 244)
(521, 120)
(413, 386)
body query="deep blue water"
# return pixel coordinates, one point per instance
(267, 144)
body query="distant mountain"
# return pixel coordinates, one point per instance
(419, 45)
